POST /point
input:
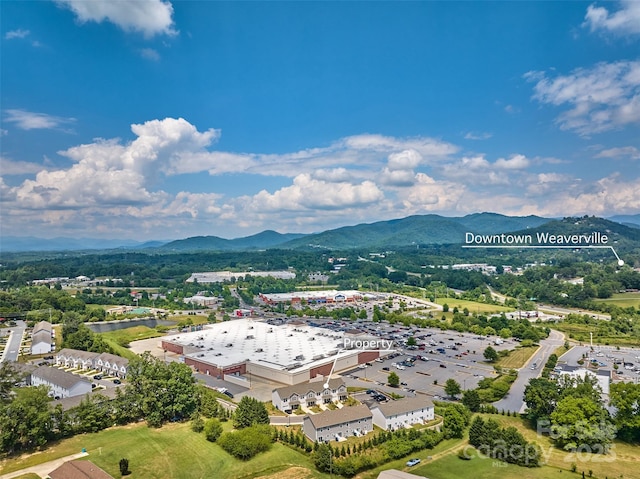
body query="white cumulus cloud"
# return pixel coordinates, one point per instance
(307, 193)
(601, 98)
(150, 17)
(625, 21)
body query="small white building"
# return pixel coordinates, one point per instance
(290, 398)
(42, 338)
(602, 376)
(61, 384)
(201, 300)
(403, 413)
(339, 424)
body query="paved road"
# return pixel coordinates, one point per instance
(514, 400)
(12, 348)
(45, 468)
(565, 311)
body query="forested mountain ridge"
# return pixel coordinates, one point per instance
(263, 240)
(397, 233)
(416, 230)
(618, 235)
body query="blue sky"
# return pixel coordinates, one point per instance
(156, 119)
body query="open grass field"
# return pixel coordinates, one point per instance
(448, 446)
(517, 357)
(580, 333)
(624, 300)
(134, 333)
(116, 339)
(173, 451)
(622, 462)
(473, 306)
(451, 467)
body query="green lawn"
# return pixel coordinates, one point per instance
(451, 467)
(624, 300)
(117, 338)
(172, 451)
(472, 306)
(517, 357)
(622, 462)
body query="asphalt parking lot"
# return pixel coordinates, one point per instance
(444, 355)
(627, 360)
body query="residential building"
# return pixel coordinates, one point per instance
(61, 384)
(74, 358)
(403, 413)
(111, 364)
(339, 424)
(106, 363)
(290, 398)
(79, 470)
(42, 338)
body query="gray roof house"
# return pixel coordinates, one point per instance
(289, 398)
(42, 338)
(61, 384)
(403, 413)
(105, 362)
(339, 424)
(111, 364)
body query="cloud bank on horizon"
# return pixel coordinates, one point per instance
(156, 120)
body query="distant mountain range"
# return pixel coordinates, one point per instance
(418, 230)
(31, 243)
(633, 221)
(412, 230)
(266, 239)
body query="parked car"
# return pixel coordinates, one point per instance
(117, 381)
(443, 366)
(97, 376)
(228, 393)
(413, 462)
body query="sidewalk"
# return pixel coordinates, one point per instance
(45, 468)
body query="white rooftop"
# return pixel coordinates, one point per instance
(314, 295)
(280, 347)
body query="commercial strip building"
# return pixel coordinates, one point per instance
(290, 398)
(339, 424)
(314, 297)
(403, 413)
(288, 354)
(222, 276)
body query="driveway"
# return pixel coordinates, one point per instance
(514, 400)
(12, 348)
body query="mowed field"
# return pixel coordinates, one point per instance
(624, 300)
(473, 306)
(173, 451)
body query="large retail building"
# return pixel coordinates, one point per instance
(287, 354)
